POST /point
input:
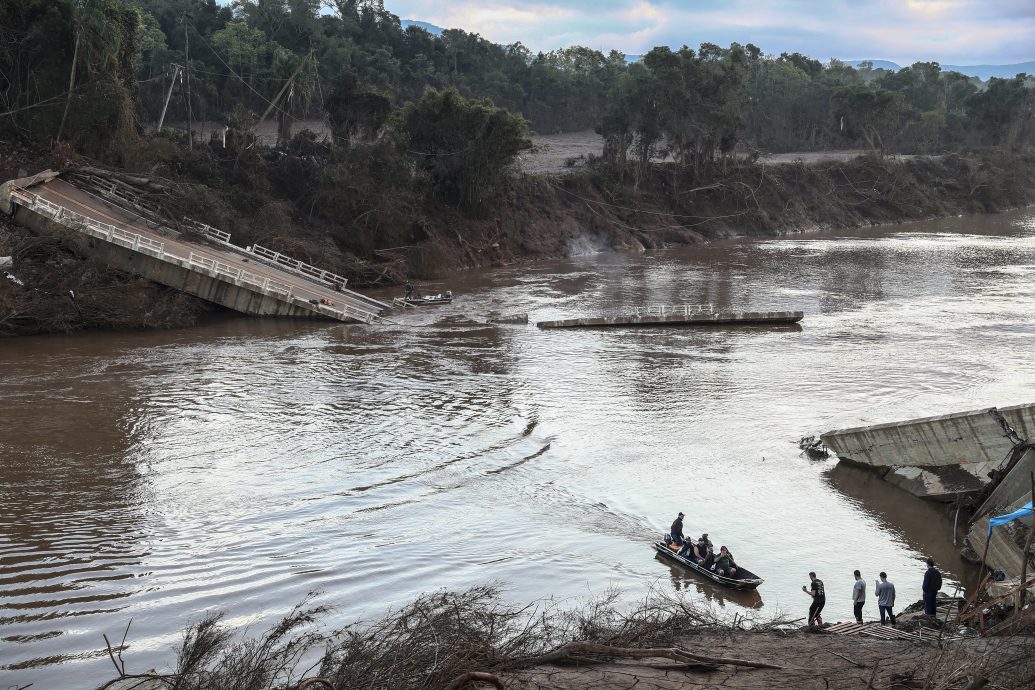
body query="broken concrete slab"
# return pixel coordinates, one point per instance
(961, 438)
(1014, 489)
(1003, 553)
(941, 483)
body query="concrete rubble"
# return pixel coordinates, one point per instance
(981, 459)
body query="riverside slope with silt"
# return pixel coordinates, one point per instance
(242, 464)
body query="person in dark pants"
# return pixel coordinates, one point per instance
(858, 596)
(932, 583)
(819, 599)
(409, 289)
(676, 531)
(885, 592)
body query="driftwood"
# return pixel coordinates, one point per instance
(312, 682)
(150, 183)
(475, 676)
(586, 651)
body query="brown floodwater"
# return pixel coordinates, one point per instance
(239, 465)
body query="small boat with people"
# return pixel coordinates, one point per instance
(742, 578)
(700, 557)
(415, 299)
(422, 300)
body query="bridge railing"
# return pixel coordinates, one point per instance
(239, 276)
(218, 269)
(207, 230)
(674, 309)
(281, 260)
(94, 228)
(300, 267)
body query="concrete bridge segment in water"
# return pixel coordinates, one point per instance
(253, 280)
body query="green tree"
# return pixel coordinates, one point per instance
(467, 147)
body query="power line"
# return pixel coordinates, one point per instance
(225, 64)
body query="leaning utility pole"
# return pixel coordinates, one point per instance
(186, 58)
(161, 119)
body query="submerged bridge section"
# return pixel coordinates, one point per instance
(252, 280)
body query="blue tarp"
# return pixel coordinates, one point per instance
(1009, 517)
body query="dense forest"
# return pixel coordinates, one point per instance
(351, 62)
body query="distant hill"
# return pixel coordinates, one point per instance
(986, 71)
(430, 28)
(982, 71)
(877, 64)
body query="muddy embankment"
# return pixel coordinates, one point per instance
(584, 212)
(540, 216)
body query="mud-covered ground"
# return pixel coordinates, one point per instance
(809, 661)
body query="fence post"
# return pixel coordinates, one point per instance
(136, 243)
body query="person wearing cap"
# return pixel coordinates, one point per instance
(724, 563)
(676, 532)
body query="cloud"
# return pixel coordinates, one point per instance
(950, 31)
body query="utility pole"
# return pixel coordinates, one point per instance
(176, 73)
(273, 103)
(186, 68)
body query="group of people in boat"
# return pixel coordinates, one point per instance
(701, 552)
(411, 295)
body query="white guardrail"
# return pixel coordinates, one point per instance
(300, 267)
(674, 310)
(217, 269)
(281, 260)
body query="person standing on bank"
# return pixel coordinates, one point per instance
(819, 599)
(885, 592)
(676, 531)
(932, 583)
(858, 596)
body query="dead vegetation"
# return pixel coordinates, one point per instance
(59, 292)
(460, 639)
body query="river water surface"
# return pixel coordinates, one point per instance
(239, 465)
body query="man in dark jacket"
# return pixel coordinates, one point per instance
(932, 583)
(676, 532)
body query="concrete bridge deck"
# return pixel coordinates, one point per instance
(251, 280)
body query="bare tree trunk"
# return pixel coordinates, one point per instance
(71, 84)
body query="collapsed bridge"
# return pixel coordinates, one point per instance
(201, 262)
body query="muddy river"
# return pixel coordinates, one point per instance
(240, 465)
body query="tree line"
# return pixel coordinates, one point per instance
(95, 71)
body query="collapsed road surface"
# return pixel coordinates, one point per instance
(203, 262)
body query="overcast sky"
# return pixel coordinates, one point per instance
(959, 32)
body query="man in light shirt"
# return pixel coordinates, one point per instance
(858, 596)
(885, 592)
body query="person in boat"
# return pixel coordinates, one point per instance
(724, 563)
(409, 289)
(675, 533)
(705, 551)
(690, 551)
